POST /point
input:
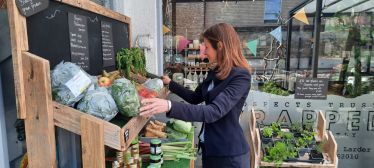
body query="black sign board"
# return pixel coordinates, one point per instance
(78, 40)
(30, 7)
(311, 88)
(107, 43)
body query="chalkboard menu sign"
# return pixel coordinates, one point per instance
(30, 7)
(311, 88)
(78, 40)
(107, 43)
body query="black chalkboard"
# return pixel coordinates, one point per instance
(48, 34)
(30, 7)
(107, 40)
(311, 88)
(79, 40)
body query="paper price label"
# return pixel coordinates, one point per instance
(78, 83)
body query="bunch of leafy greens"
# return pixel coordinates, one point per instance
(131, 61)
(174, 135)
(267, 132)
(270, 87)
(126, 97)
(278, 153)
(181, 126)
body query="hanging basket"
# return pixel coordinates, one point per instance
(2, 4)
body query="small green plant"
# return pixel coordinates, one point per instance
(278, 153)
(301, 143)
(289, 136)
(309, 125)
(308, 136)
(275, 126)
(281, 133)
(296, 127)
(267, 132)
(319, 147)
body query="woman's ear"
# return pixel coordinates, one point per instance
(220, 46)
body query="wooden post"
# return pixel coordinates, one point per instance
(93, 151)
(39, 125)
(19, 42)
(321, 127)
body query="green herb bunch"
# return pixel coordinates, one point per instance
(267, 132)
(319, 147)
(308, 136)
(296, 127)
(278, 153)
(275, 126)
(309, 125)
(131, 61)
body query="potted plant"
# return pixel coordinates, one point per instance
(309, 125)
(296, 129)
(302, 144)
(317, 153)
(287, 136)
(291, 147)
(309, 137)
(278, 153)
(266, 134)
(276, 128)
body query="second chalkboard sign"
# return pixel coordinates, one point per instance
(79, 40)
(30, 7)
(107, 43)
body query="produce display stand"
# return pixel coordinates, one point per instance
(34, 101)
(256, 155)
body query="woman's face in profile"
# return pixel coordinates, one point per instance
(210, 52)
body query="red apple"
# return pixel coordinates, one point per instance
(145, 91)
(149, 96)
(142, 94)
(104, 81)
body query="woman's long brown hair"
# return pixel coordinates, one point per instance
(231, 55)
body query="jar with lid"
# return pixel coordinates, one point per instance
(155, 160)
(135, 143)
(155, 147)
(153, 166)
(134, 151)
(127, 155)
(137, 160)
(130, 160)
(133, 165)
(115, 164)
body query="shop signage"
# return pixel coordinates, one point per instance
(30, 7)
(107, 43)
(79, 40)
(349, 119)
(311, 88)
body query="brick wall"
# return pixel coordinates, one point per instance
(248, 19)
(190, 16)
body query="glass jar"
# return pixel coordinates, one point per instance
(155, 147)
(155, 160)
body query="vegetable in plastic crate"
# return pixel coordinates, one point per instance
(69, 83)
(99, 103)
(126, 97)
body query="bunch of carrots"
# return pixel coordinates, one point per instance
(155, 130)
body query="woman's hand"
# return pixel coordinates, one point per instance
(165, 79)
(155, 106)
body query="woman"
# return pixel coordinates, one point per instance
(224, 91)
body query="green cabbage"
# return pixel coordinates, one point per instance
(173, 135)
(126, 97)
(181, 126)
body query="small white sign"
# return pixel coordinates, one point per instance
(78, 83)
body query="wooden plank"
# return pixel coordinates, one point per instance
(93, 150)
(40, 132)
(321, 127)
(192, 162)
(96, 8)
(331, 147)
(69, 119)
(133, 126)
(258, 147)
(19, 43)
(252, 154)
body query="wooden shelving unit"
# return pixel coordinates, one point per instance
(35, 105)
(256, 155)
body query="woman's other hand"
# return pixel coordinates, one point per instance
(154, 106)
(165, 79)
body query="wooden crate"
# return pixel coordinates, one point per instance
(34, 100)
(330, 147)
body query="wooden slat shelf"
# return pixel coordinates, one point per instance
(256, 155)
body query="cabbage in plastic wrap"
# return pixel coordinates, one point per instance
(60, 75)
(99, 103)
(126, 97)
(154, 84)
